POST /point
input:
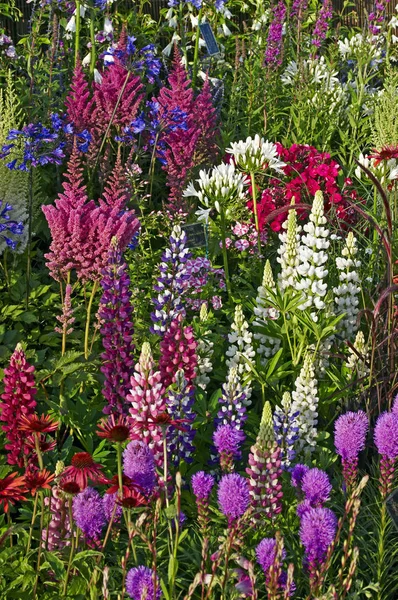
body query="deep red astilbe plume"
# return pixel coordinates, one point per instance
(180, 94)
(71, 224)
(179, 156)
(18, 400)
(205, 117)
(178, 351)
(79, 105)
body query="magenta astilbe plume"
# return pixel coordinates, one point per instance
(233, 496)
(180, 94)
(273, 53)
(143, 584)
(79, 105)
(350, 432)
(178, 352)
(317, 531)
(59, 526)
(202, 485)
(386, 440)
(147, 402)
(66, 319)
(116, 312)
(139, 466)
(205, 118)
(227, 440)
(89, 514)
(179, 161)
(322, 24)
(18, 399)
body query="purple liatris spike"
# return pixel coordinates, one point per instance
(178, 351)
(317, 531)
(202, 485)
(147, 402)
(298, 473)
(386, 440)
(143, 584)
(139, 465)
(89, 514)
(179, 406)
(115, 313)
(227, 440)
(233, 496)
(286, 429)
(350, 432)
(316, 487)
(273, 53)
(265, 470)
(169, 287)
(266, 553)
(111, 507)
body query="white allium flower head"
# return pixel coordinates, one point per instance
(254, 154)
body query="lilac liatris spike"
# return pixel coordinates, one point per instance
(147, 402)
(115, 313)
(265, 470)
(317, 531)
(268, 559)
(170, 283)
(298, 473)
(178, 352)
(112, 509)
(316, 487)
(180, 403)
(386, 440)
(350, 432)
(227, 440)
(89, 514)
(18, 399)
(139, 466)
(143, 584)
(233, 496)
(202, 485)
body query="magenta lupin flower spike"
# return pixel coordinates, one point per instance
(178, 352)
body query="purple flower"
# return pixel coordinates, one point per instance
(266, 553)
(233, 495)
(350, 434)
(297, 475)
(273, 53)
(202, 484)
(316, 487)
(9, 227)
(139, 465)
(109, 502)
(89, 514)
(317, 531)
(227, 439)
(180, 406)
(140, 584)
(303, 507)
(322, 23)
(386, 435)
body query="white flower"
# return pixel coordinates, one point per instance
(71, 24)
(268, 345)
(217, 187)
(356, 362)
(108, 27)
(240, 352)
(86, 60)
(347, 293)
(255, 154)
(288, 251)
(305, 401)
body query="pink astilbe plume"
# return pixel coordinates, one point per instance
(18, 399)
(179, 157)
(79, 104)
(147, 403)
(205, 118)
(180, 94)
(178, 351)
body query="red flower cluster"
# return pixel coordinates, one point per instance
(307, 170)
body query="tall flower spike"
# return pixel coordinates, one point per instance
(286, 429)
(89, 515)
(240, 352)
(273, 53)
(168, 303)
(180, 408)
(317, 531)
(347, 292)
(350, 432)
(147, 402)
(58, 535)
(305, 402)
(205, 117)
(79, 106)
(139, 466)
(265, 470)
(18, 399)
(66, 319)
(357, 364)
(115, 313)
(227, 440)
(204, 353)
(268, 345)
(202, 485)
(178, 351)
(312, 258)
(232, 402)
(386, 440)
(288, 251)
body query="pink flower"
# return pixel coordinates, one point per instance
(178, 351)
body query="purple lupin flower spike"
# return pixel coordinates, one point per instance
(350, 432)
(286, 429)
(115, 313)
(169, 303)
(180, 408)
(232, 402)
(386, 440)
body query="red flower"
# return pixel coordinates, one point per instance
(44, 445)
(69, 486)
(114, 429)
(127, 484)
(35, 480)
(163, 419)
(37, 424)
(12, 489)
(82, 469)
(386, 153)
(132, 498)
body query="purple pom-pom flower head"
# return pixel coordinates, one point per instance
(202, 484)
(111, 507)
(227, 440)
(316, 487)
(266, 553)
(386, 440)
(317, 531)
(349, 439)
(297, 475)
(233, 495)
(141, 582)
(139, 465)
(89, 514)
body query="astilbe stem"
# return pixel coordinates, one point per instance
(117, 330)
(18, 399)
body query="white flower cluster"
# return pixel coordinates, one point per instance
(268, 346)
(313, 257)
(385, 170)
(204, 351)
(357, 46)
(216, 187)
(354, 363)
(347, 293)
(241, 352)
(255, 154)
(288, 251)
(305, 402)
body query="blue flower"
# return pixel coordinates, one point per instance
(8, 226)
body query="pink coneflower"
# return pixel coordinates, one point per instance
(114, 428)
(81, 470)
(37, 424)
